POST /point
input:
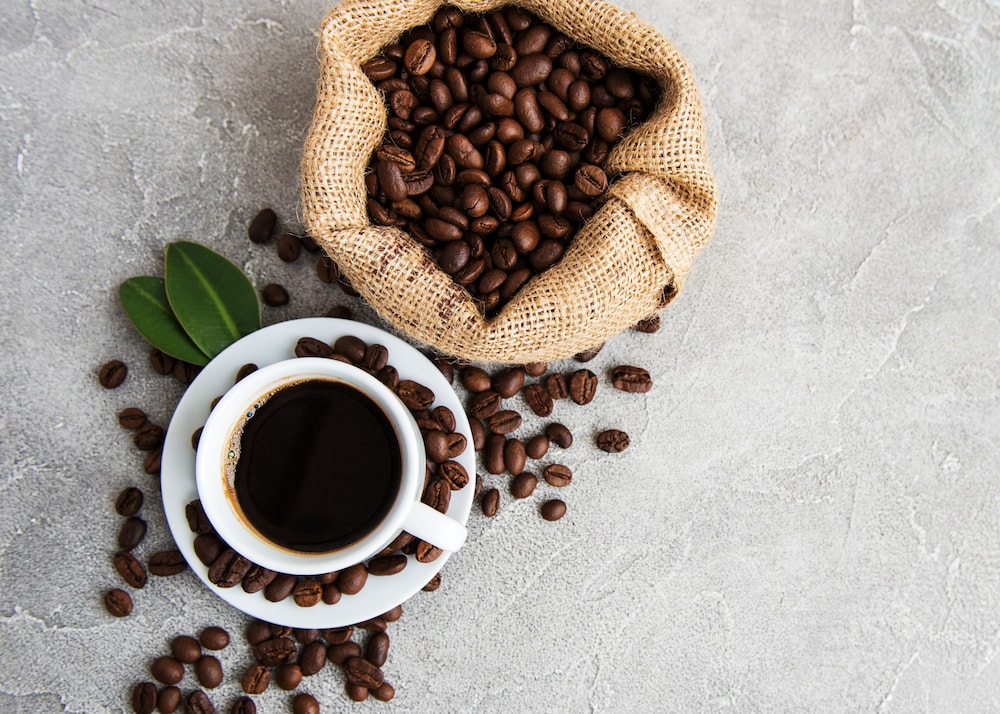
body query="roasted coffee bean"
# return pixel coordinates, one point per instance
(275, 651)
(152, 463)
(132, 532)
(582, 386)
(588, 355)
(167, 670)
(289, 247)
(256, 679)
(197, 519)
(478, 434)
(479, 44)
(476, 379)
(340, 652)
(387, 565)
(341, 311)
(131, 417)
(361, 671)
(144, 698)
(375, 624)
(537, 446)
(208, 547)
(214, 638)
(433, 584)
(484, 405)
(376, 357)
(305, 636)
(613, 441)
(445, 417)
(148, 437)
(427, 552)
(186, 649)
(414, 395)
(262, 226)
(289, 675)
(351, 580)
(377, 649)
(208, 669)
(631, 379)
(649, 325)
(437, 495)
(130, 569)
(490, 502)
(493, 453)
(228, 569)
(523, 485)
(508, 382)
(169, 700)
(185, 372)
(305, 704)
(258, 631)
(538, 399)
(199, 703)
(118, 602)
(384, 692)
(165, 563)
(553, 510)
(514, 456)
(244, 705)
(129, 501)
(351, 347)
(112, 374)
(311, 347)
(307, 592)
(274, 295)
(389, 377)
(558, 475)
(557, 386)
(454, 474)
(559, 435)
(161, 363)
(257, 578)
(504, 422)
(326, 270)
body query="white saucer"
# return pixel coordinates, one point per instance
(177, 473)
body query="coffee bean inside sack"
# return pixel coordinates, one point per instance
(498, 130)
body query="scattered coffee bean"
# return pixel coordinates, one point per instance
(537, 446)
(288, 676)
(313, 658)
(246, 370)
(132, 532)
(377, 649)
(508, 382)
(130, 569)
(523, 485)
(384, 692)
(161, 363)
(437, 495)
(613, 441)
(535, 369)
(289, 247)
(129, 501)
(197, 519)
(257, 578)
(504, 422)
(256, 679)
(588, 355)
(553, 510)
(167, 670)
(196, 437)
(433, 584)
(262, 226)
(493, 453)
(351, 580)
(208, 669)
(148, 437)
(280, 587)
(490, 502)
(538, 399)
(582, 386)
(427, 552)
(208, 547)
(375, 624)
(631, 379)
(484, 405)
(274, 295)
(340, 652)
(165, 563)
(649, 325)
(244, 705)
(199, 703)
(169, 700)
(361, 671)
(307, 592)
(118, 602)
(414, 395)
(311, 347)
(559, 435)
(258, 631)
(454, 474)
(515, 456)
(185, 372)
(387, 565)
(339, 311)
(558, 475)
(144, 698)
(357, 692)
(305, 704)
(131, 417)
(476, 379)
(112, 374)
(275, 651)
(186, 649)
(394, 614)
(214, 638)
(228, 569)
(153, 461)
(557, 386)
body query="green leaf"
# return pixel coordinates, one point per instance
(213, 300)
(145, 303)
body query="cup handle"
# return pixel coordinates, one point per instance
(435, 527)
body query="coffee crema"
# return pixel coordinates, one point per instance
(315, 465)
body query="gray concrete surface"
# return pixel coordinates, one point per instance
(809, 517)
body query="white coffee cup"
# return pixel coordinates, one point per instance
(406, 512)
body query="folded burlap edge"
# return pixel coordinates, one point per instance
(657, 217)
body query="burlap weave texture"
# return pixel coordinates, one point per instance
(639, 246)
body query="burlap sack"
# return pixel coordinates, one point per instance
(622, 266)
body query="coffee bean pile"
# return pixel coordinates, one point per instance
(284, 656)
(169, 670)
(498, 130)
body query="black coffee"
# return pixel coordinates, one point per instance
(318, 466)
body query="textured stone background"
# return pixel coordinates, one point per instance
(809, 517)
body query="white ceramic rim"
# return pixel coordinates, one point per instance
(214, 490)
